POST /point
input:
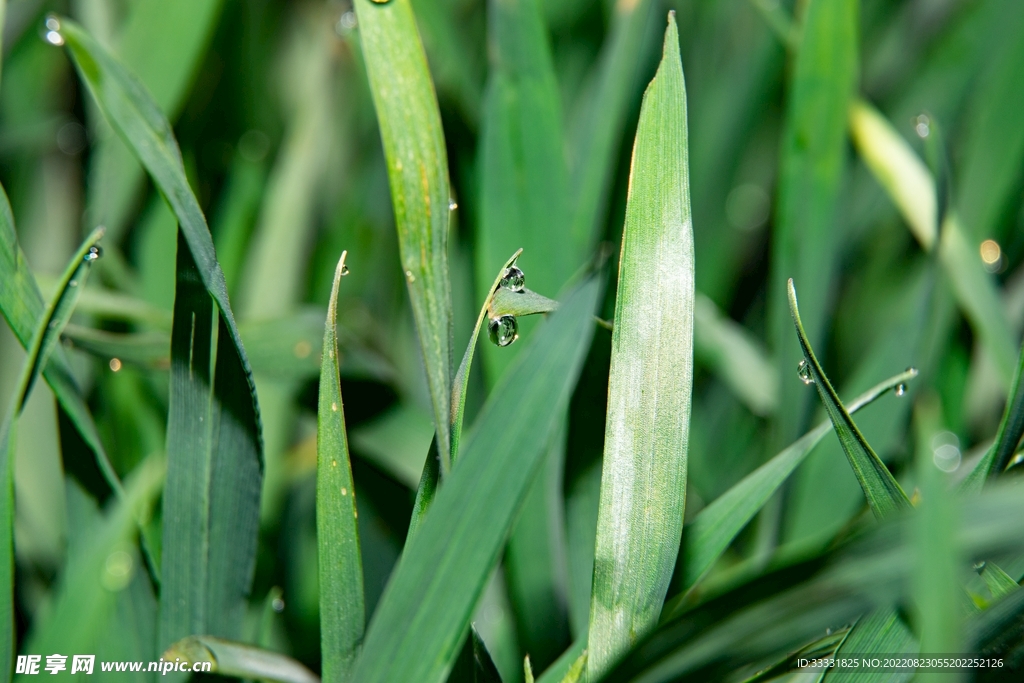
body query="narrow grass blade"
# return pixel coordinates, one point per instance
(22, 306)
(883, 493)
(736, 356)
(643, 480)
(910, 185)
(410, 127)
(999, 583)
(524, 186)
(99, 571)
(484, 670)
(214, 471)
(1011, 428)
(164, 43)
(805, 237)
(717, 525)
(44, 339)
(595, 141)
(431, 594)
(881, 633)
(569, 667)
(342, 613)
(228, 658)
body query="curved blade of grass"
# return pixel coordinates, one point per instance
(44, 339)
(214, 443)
(569, 667)
(164, 43)
(910, 185)
(214, 470)
(410, 128)
(94, 579)
(805, 237)
(1011, 428)
(736, 356)
(883, 493)
(342, 613)
(432, 592)
(228, 658)
(999, 583)
(717, 525)
(881, 633)
(643, 480)
(22, 306)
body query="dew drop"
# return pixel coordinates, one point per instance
(54, 38)
(513, 279)
(347, 22)
(115, 364)
(334, 407)
(52, 22)
(277, 604)
(901, 389)
(334, 463)
(980, 567)
(409, 276)
(503, 330)
(73, 283)
(452, 205)
(344, 491)
(803, 371)
(344, 269)
(94, 253)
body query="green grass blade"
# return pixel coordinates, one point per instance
(595, 142)
(95, 578)
(880, 633)
(883, 493)
(910, 185)
(484, 670)
(1011, 428)
(214, 471)
(342, 613)
(432, 592)
(410, 127)
(164, 43)
(643, 480)
(44, 339)
(715, 527)
(999, 583)
(573, 662)
(22, 306)
(524, 197)
(736, 356)
(813, 157)
(228, 658)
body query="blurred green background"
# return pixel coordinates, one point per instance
(272, 111)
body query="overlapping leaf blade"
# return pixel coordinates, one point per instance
(240, 660)
(643, 480)
(433, 590)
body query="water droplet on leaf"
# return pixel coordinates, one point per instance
(277, 604)
(344, 270)
(409, 276)
(503, 330)
(803, 371)
(94, 253)
(513, 279)
(52, 22)
(452, 205)
(901, 389)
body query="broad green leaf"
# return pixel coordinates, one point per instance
(643, 480)
(214, 470)
(911, 187)
(214, 444)
(813, 158)
(22, 305)
(229, 658)
(595, 140)
(736, 356)
(44, 340)
(1011, 428)
(342, 613)
(410, 128)
(883, 493)
(100, 571)
(717, 525)
(163, 43)
(443, 570)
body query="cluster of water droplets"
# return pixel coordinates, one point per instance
(504, 329)
(52, 34)
(803, 371)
